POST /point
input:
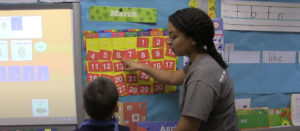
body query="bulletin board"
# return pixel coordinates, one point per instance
(157, 103)
(267, 84)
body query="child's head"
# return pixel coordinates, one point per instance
(100, 98)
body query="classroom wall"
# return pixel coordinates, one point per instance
(268, 85)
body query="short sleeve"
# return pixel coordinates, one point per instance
(199, 100)
(185, 68)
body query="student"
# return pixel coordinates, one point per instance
(100, 99)
(207, 96)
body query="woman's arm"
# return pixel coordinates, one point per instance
(187, 123)
(164, 76)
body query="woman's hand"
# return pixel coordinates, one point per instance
(130, 65)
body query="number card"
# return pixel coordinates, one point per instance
(143, 55)
(143, 42)
(118, 66)
(169, 64)
(105, 48)
(94, 66)
(121, 89)
(144, 89)
(143, 76)
(133, 89)
(106, 66)
(131, 78)
(169, 52)
(157, 53)
(157, 64)
(158, 42)
(117, 54)
(105, 55)
(158, 87)
(91, 76)
(92, 55)
(129, 54)
(119, 79)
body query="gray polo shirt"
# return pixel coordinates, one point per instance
(208, 95)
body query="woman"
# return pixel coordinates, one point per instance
(207, 96)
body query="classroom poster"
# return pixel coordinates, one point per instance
(253, 118)
(280, 117)
(131, 113)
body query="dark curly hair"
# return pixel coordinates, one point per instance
(100, 98)
(196, 24)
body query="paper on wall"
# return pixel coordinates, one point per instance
(242, 103)
(295, 109)
(232, 56)
(18, 1)
(279, 57)
(260, 16)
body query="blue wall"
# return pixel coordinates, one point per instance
(268, 85)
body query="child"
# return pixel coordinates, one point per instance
(100, 99)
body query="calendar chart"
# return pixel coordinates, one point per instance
(103, 50)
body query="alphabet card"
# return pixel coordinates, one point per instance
(103, 50)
